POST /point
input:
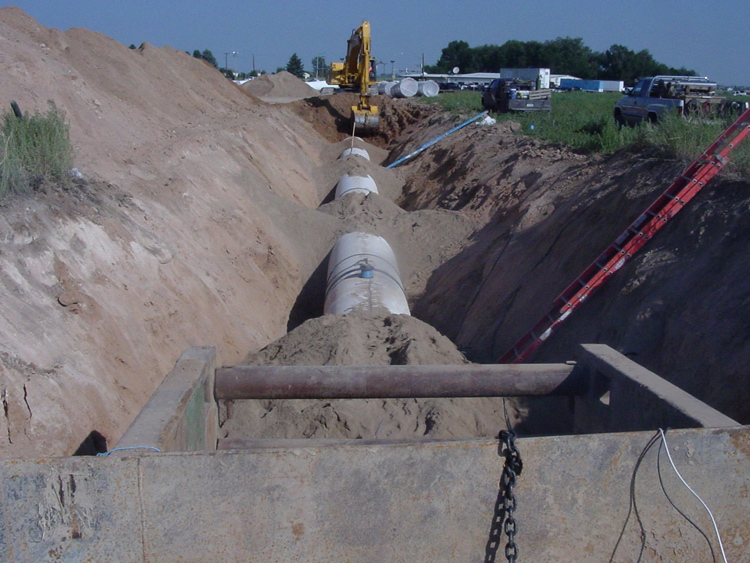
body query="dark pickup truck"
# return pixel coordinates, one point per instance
(507, 95)
(654, 97)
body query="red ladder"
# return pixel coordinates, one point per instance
(676, 196)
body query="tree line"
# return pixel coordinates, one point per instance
(564, 55)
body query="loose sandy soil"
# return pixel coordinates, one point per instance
(205, 216)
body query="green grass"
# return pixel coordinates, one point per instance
(33, 150)
(458, 102)
(584, 122)
(687, 139)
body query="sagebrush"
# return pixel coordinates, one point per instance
(34, 149)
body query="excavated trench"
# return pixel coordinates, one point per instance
(505, 222)
(201, 220)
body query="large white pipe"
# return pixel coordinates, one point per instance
(406, 88)
(363, 277)
(427, 88)
(387, 88)
(356, 184)
(355, 152)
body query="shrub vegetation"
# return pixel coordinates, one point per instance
(34, 149)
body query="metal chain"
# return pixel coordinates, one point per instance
(511, 471)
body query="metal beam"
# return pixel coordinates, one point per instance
(370, 382)
(660, 404)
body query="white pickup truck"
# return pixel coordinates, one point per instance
(655, 96)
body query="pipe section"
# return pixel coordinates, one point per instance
(436, 139)
(354, 151)
(384, 88)
(406, 88)
(427, 88)
(377, 382)
(356, 184)
(363, 277)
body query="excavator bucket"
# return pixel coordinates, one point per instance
(366, 120)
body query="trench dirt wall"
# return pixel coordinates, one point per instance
(543, 214)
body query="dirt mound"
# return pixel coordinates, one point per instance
(352, 340)
(117, 99)
(104, 285)
(280, 87)
(367, 418)
(356, 340)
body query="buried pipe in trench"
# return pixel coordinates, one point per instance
(428, 144)
(363, 277)
(355, 184)
(354, 151)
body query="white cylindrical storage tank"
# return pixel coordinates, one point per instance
(427, 88)
(406, 88)
(363, 277)
(358, 184)
(356, 152)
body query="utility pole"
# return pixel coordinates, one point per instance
(317, 67)
(226, 57)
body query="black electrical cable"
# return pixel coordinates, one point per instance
(633, 506)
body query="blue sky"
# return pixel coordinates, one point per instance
(713, 40)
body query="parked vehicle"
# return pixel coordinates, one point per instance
(656, 96)
(512, 95)
(449, 86)
(540, 77)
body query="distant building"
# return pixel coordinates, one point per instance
(591, 85)
(558, 81)
(554, 79)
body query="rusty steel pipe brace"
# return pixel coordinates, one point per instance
(371, 382)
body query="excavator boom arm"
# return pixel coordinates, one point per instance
(354, 73)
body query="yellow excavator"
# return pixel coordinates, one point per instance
(354, 74)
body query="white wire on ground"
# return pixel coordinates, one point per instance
(716, 528)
